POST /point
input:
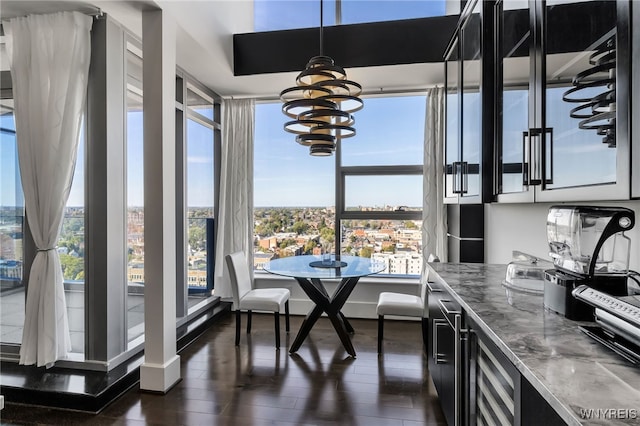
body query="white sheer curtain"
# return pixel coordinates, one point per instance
(49, 60)
(235, 215)
(434, 218)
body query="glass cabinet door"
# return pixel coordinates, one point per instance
(452, 145)
(580, 94)
(471, 106)
(513, 72)
(561, 131)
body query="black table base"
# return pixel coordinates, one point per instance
(331, 305)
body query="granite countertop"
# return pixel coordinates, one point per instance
(569, 369)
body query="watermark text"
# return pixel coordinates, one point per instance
(609, 413)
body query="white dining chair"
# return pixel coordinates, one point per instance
(405, 305)
(247, 298)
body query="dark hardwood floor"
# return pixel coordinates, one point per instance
(254, 384)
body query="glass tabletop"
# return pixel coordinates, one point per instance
(299, 267)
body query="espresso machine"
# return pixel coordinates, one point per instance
(588, 247)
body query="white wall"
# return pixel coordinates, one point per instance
(523, 227)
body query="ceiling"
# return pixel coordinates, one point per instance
(205, 44)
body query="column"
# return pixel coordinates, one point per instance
(105, 203)
(161, 367)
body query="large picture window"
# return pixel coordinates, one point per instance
(368, 205)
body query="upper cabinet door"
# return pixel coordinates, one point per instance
(452, 124)
(585, 147)
(471, 148)
(515, 100)
(468, 118)
(575, 146)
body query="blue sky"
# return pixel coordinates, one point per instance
(272, 15)
(389, 131)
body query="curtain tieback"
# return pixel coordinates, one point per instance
(47, 249)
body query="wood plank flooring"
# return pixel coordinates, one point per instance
(254, 384)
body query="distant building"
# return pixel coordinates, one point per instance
(268, 243)
(197, 278)
(259, 259)
(404, 263)
(10, 269)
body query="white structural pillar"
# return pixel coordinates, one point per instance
(161, 367)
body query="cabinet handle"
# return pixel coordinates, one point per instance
(445, 310)
(438, 357)
(533, 158)
(457, 177)
(525, 158)
(465, 177)
(432, 288)
(548, 174)
(460, 334)
(535, 165)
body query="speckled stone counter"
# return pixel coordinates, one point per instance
(571, 371)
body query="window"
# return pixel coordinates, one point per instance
(380, 205)
(378, 185)
(135, 193)
(271, 15)
(200, 178)
(71, 249)
(12, 297)
(294, 193)
(71, 242)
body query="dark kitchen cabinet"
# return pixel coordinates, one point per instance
(563, 100)
(476, 382)
(445, 352)
(468, 106)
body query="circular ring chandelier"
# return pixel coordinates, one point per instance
(321, 104)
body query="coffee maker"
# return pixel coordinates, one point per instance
(588, 246)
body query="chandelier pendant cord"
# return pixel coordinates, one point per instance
(321, 27)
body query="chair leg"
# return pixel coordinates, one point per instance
(248, 321)
(286, 315)
(237, 327)
(380, 331)
(276, 316)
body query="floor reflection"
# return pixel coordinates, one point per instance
(323, 401)
(255, 384)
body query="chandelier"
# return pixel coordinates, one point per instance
(321, 104)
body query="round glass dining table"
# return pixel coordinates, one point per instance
(309, 271)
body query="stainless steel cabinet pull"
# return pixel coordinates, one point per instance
(433, 288)
(444, 309)
(438, 357)
(465, 178)
(525, 158)
(460, 335)
(535, 165)
(535, 159)
(457, 177)
(548, 161)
